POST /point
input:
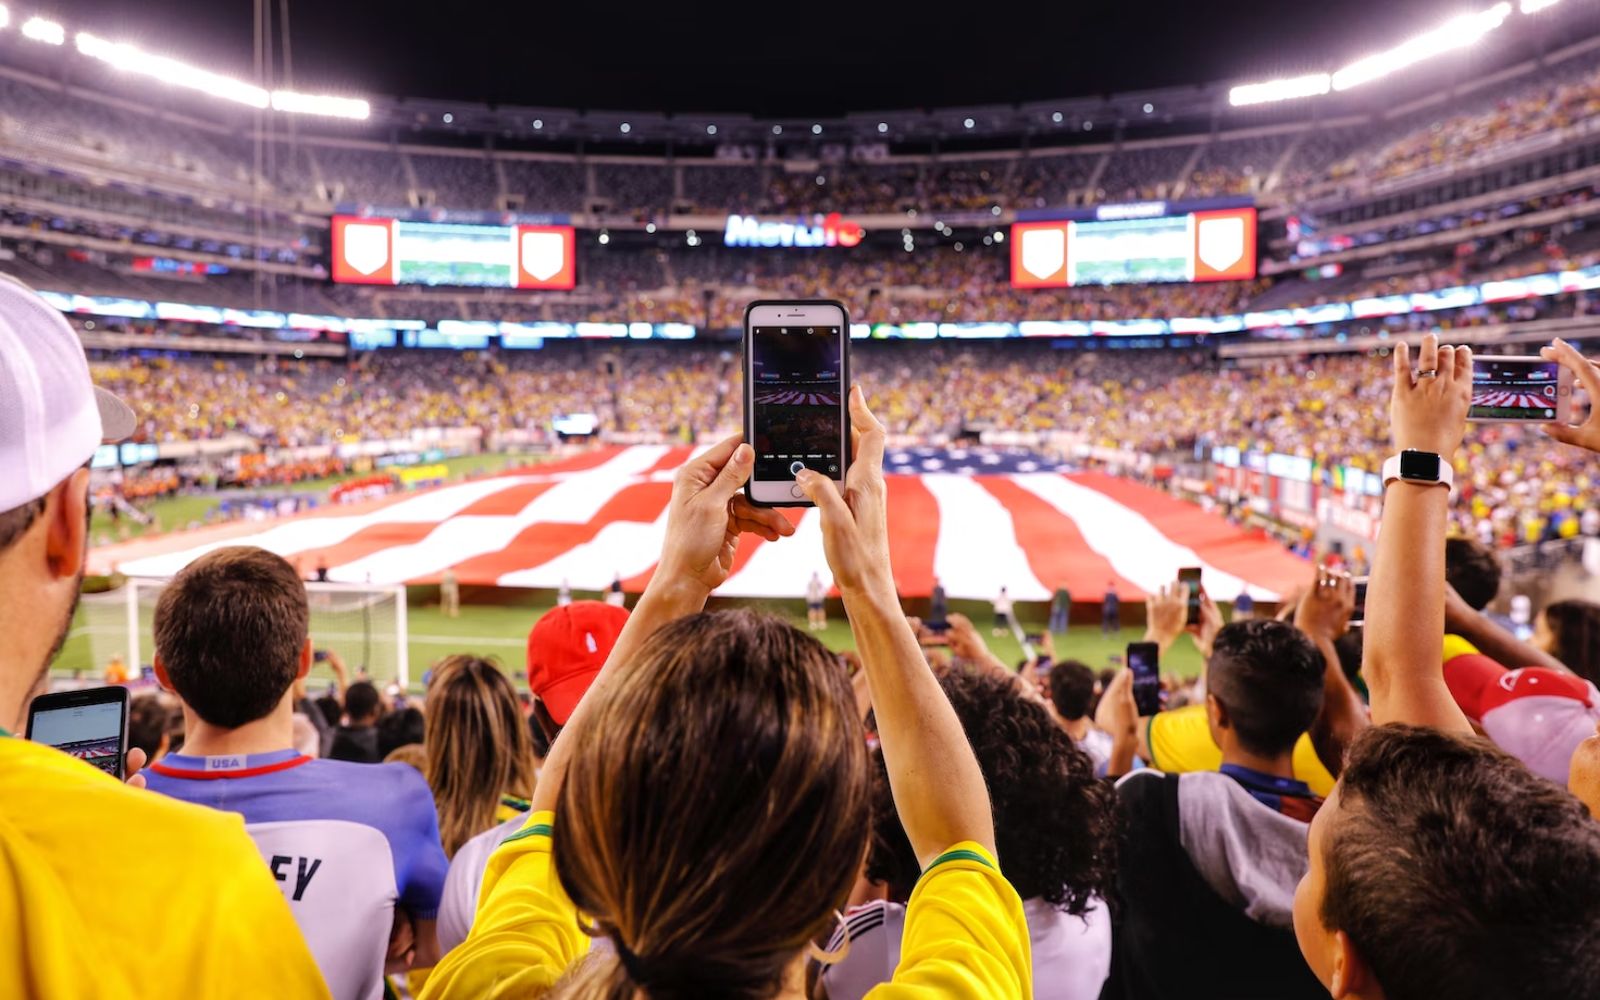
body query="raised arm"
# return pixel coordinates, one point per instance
(1324, 615)
(1405, 594)
(938, 788)
(705, 518)
(1461, 618)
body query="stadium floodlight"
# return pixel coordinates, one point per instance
(170, 71)
(1456, 33)
(999, 236)
(5, 16)
(816, 130)
(320, 104)
(538, 123)
(883, 127)
(711, 130)
(1314, 85)
(1149, 109)
(968, 122)
(1056, 117)
(625, 128)
(42, 30)
(1535, 6)
(649, 227)
(448, 118)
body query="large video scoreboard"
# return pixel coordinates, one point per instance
(393, 251)
(1132, 244)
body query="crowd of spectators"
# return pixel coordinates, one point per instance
(1400, 809)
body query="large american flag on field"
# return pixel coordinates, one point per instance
(977, 521)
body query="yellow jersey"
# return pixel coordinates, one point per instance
(108, 891)
(1180, 741)
(966, 937)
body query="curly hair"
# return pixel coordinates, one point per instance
(1054, 822)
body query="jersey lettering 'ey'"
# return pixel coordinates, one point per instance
(346, 842)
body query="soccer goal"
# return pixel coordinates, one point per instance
(365, 624)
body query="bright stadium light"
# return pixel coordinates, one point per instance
(711, 130)
(132, 60)
(1149, 109)
(625, 128)
(1056, 117)
(1456, 33)
(538, 123)
(5, 16)
(883, 127)
(968, 122)
(1535, 6)
(816, 130)
(41, 30)
(320, 104)
(1288, 89)
(777, 130)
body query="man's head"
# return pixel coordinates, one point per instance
(362, 703)
(1072, 689)
(149, 718)
(566, 649)
(1471, 568)
(231, 634)
(51, 421)
(1442, 867)
(1263, 687)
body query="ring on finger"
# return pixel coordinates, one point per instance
(1430, 373)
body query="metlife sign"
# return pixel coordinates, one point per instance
(830, 230)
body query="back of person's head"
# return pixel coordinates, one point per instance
(1267, 678)
(1072, 689)
(1454, 871)
(478, 746)
(567, 647)
(330, 708)
(1574, 636)
(230, 634)
(1054, 821)
(1472, 569)
(149, 717)
(362, 702)
(397, 729)
(717, 813)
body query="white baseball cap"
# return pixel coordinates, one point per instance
(51, 416)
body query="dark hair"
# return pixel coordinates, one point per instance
(17, 520)
(1268, 675)
(398, 729)
(330, 708)
(149, 716)
(478, 747)
(1471, 568)
(1072, 688)
(361, 701)
(1054, 822)
(1576, 627)
(1459, 873)
(229, 629)
(732, 762)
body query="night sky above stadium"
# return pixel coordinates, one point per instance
(821, 59)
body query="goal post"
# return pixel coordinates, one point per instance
(364, 623)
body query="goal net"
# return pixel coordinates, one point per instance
(363, 623)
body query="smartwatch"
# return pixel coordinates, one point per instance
(1421, 467)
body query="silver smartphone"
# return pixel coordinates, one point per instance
(1520, 389)
(796, 382)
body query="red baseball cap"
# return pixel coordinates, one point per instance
(566, 648)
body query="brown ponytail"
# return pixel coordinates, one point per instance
(715, 817)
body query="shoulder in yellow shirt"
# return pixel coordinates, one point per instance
(1180, 741)
(108, 891)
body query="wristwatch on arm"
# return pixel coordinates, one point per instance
(1422, 468)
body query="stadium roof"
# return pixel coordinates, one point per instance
(736, 72)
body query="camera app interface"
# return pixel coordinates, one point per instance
(798, 391)
(1521, 390)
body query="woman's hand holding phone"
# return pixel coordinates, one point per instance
(1587, 434)
(855, 526)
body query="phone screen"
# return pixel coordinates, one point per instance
(92, 732)
(1190, 578)
(1358, 614)
(797, 400)
(1144, 659)
(1514, 389)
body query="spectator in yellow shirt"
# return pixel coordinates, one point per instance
(713, 873)
(80, 852)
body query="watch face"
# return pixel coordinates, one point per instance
(1419, 465)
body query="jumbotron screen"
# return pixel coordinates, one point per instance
(372, 251)
(1134, 244)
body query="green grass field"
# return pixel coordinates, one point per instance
(495, 623)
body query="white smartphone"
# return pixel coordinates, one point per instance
(1520, 389)
(796, 382)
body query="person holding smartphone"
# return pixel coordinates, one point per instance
(65, 896)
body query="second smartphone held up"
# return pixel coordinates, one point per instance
(1507, 389)
(797, 382)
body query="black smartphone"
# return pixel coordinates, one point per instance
(318, 655)
(797, 384)
(1189, 576)
(1358, 614)
(91, 725)
(1144, 659)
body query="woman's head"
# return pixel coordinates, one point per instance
(1570, 631)
(716, 812)
(478, 746)
(1054, 821)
